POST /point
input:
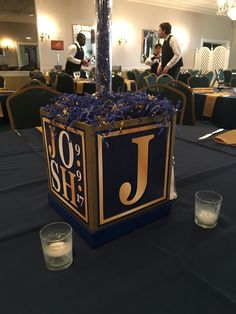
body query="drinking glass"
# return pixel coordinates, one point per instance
(76, 74)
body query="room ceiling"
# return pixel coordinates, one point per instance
(199, 6)
(17, 11)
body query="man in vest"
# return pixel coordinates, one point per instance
(75, 55)
(171, 60)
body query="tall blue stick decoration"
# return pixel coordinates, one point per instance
(104, 53)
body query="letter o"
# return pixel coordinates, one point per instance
(70, 148)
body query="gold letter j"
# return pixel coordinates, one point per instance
(142, 172)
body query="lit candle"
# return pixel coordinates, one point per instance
(206, 217)
(58, 249)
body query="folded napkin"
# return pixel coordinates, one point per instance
(203, 90)
(39, 128)
(228, 138)
(210, 102)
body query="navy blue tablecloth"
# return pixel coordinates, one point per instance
(224, 115)
(170, 266)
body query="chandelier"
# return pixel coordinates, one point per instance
(227, 7)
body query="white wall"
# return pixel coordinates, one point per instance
(129, 19)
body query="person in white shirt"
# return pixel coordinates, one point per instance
(154, 59)
(171, 60)
(75, 55)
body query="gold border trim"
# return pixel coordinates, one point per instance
(102, 221)
(75, 131)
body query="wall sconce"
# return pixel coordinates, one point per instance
(122, 41)
(44, 36)
(7, 48)
(7, 44)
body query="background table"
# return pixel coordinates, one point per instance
(88, 86)
(224, 115)
(170, 266)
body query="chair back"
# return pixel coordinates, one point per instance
(137, 74)
(233, 82)
(52, 78)
(38, 75)
(117, 83)
(24, 106)
(183, 77)
(2, 82)
(209, 75)
(194, 72)
(164, 79)
(198, 81)
(189, 113)
(65, 83)
(227, 76)
(141, 82)
(151, 81)
(131, 75)
(32, 82)
(177, 98)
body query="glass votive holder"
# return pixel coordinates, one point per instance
(207, 208)
(56, 241)
(76, 75)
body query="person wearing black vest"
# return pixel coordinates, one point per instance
(154, 59)
(75, 55)
(171, 60)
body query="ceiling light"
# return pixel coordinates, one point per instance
(232, 13)
(227, 7)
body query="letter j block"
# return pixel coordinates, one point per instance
(109, 182)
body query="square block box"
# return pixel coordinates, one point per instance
(109, 182)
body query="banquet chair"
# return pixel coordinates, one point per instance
(32, 82)
(131, 75)
(2, 82)
(227, 77)
(117, 83)
(198, 81)
(210, 75)
(38, 75)
(137, 74)
(151, 81)
(177, 98)
(233, 82)
(183, 77)
(219, 77)
(189, 113)
(24, 106)
(52, 78)
(194, 72)
(164, 79)
(141, 82)
(64, 83)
